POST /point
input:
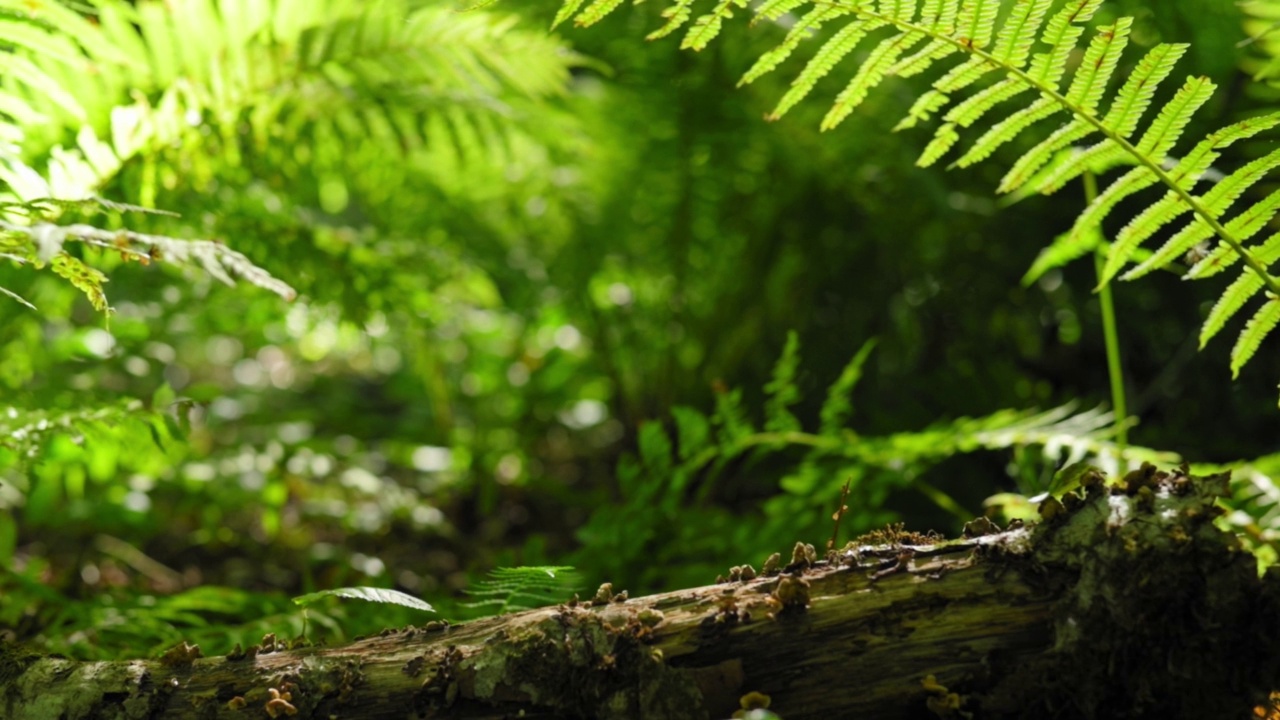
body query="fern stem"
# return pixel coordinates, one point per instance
(856, 8)
(1115, 371)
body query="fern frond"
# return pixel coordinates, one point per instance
(24, 431)
(677, 15)
(1126, 111)
(837, 409)
(1242, 227)
(872, 72)
(284, 66)
(938, 16)
(978, 40)
(781, 389)
(593, 13)
(511, 589)
(1214, 202)
(1065, 248)
(707, 27)
(831, 53)
(693, 431)
(1258, 327)
(45, 240)
(804, 28)
(567, 10)
(1243, 289)
(773, 10)
(730, 419)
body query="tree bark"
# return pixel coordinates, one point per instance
(1127, 602)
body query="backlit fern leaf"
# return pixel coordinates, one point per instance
(595, 12)
(841, 44)
(1258, 327)
(805, 27)
(997, 53)
(511, 589)
(707, 27)
(773, 10)
(1126, 110)
(677, 15)
(1245, 287)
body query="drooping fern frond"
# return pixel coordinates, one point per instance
(510, 589)
(991, 54)
(37, 243)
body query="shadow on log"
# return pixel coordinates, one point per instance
(1126, 601)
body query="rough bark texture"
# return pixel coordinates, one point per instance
(1127, 602)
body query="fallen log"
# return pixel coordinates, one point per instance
(1125, 601)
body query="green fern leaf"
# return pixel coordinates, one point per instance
(1009, 128)
(837, 409)
(1061, 35)
(972, 109)
(655, 450)
(940, 17)
(805, 27)
(1012, 47)
(594, 13)
(1065, 248)
(1099, 64)
(730, 418)
(24, 71)
(1239, 292)
(923, 109)
(368, 594)
(977, 22)
(707, 27)
(871, 73)
(943, 139)
(1018, 32)
(693, 431)
(781, 389)
(523, 588)
(1258, 327)
(568, 9)
(1087, 87)
(1135, 97)
(835, 49)
(1215, 201)
(1030, 163)
(1126, 110)
(84, 278)
(773, 10)
(1224, 256)
(1173, 118)
(1047, 69)
(1241, 227)
(677, 15)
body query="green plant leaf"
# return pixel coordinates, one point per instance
(368, 594)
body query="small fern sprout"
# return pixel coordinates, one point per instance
(1003, 73)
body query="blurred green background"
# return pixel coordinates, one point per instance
(530, 266)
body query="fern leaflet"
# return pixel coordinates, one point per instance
(522, 588)
(1258, 327)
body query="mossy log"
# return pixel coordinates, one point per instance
(1126, 601)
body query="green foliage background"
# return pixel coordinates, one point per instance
(544, 284)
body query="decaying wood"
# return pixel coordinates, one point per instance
(1126, 602)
